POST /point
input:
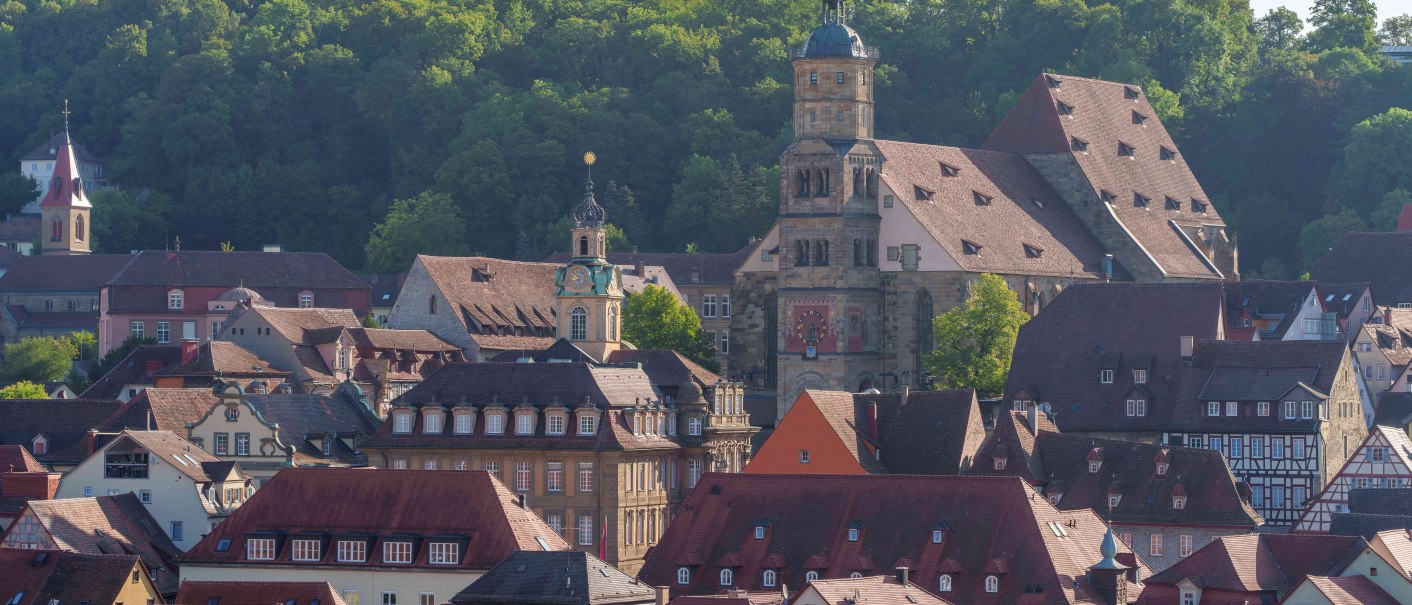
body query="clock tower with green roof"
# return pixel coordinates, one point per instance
(589, 289)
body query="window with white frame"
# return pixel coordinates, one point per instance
(725, 346)
(708, 305)
(1137, 407)
(431, 423)
(1262, 408)
(585, 477)
(1257, 447)
(175, 300)
(524, 424)
(215, 329)
(164, 332)
(138, 329)
(585, 530)
(693, 472)
(588, 425)
(944, 585)
(426, 598)
(463, 424)
(402, 422)
(1105, 376)
(1213, 408)
(555, 521)
(495, 424)
(492, 467)
(305, 550)
(1289, 410)
(399, 464)
(554, 424)
(683, 575)
(693, 426)
(992, 584)
(727, 577)
(306, 300)
(1306, 410)
(352, 551)
(1140, 376)
(767, 579)
(260, 549)
(389, 597)
(725, 305)
(1277, 448)
(523, 478)
(1232, 408)
(396, 552)
(554, 476)
(1154, 547)
(444, 553)
(578, 324)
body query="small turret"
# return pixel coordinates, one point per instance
(65, 206)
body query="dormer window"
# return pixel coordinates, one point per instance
(767, 579)
(1114, 499)
(1140, 376)
(1166, 154)
(1000, 463)
(1032, 252)
(1173, 204)
(1105, 197)
(683, 576)
(855, 531)
(402, 422)
(1054, 498)
(759, 532)
(852, 535)
(1140, 200)
(39, 445)
(1065, 109)
(949, 170)
(495, 423)
(992, 584)
(1131, 93)
(727, 577)
(1052, 81)
(1178, 502)
(1162, 468)
(465, 422)
(1198, 206)
(922, 195)
(554, 423)
(1139, 119)
(306, 300)
(176, 300)
(588, 425)
(980, 198)
(970, 248)
(1078, 144)
(431, 422)
(524, 423)
(1125, 150)
(1095, 460)
(1105, 376)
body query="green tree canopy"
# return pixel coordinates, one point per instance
(1396, 31)
(656, 319)
(1344, 24)
(426, 224)
(1375, 161)
(1279, 29)
(39, 359)
(1317, 237)
(974, 342)
(1385, 216)
(16, 190)
(23, 389)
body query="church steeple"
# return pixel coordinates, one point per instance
(590, 236)
(65, 207)
(833, 81)
(589, 289)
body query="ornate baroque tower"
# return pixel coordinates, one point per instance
(830, 290)
(65, 208)
(589, 289)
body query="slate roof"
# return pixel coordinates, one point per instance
(63, 577)
(49, 151)
(1059, 352)
(666, 368)
(1254, 384)
(379, 505)
(261, 592)
(492, 294)
(1254, 563)
(1394, 409)
(1020, 210)
(555, 578)
(1102, 116)
(991, 523)
(256, 270)
(16, 459)
(302, 416)
(933, 433)
(65, 422)
(1058, 464)
(385, 288)
(1352, 259)
(880, 590)
(1366, 525)
(78, 274)
(1380, 501)
(685, 268)
(1279, 301)
(132, 370)
(110, 525)
(1341, 298)
(1351, 590)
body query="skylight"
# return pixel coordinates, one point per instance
(949, 170)
(981, 198)
(923, 195)
(1140, 200)
(970, 248)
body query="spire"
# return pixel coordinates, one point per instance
(588, 214)
(65, 185)
(1109, 550)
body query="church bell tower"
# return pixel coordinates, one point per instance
(65, 208)
(589, 289)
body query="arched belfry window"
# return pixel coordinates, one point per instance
(583, 246)
(802, 177)
(78, 228)
(801, 253)
(57, 231)
(821, 252)
(578, 324)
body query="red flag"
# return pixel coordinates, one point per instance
(603, 540)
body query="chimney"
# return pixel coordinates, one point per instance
(639, 267)
(189, 349)
(1188, 343)
(521, 500)
(1032, 413)
(664, 594)
(903, 576)
(90, 441)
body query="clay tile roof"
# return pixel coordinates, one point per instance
(667, 368)
(384, 503)
(837, 408)
(16, 459)
(227, 359)
(1348, 261)
(495, 293)
(77, 274)
(774, 561)
(108, 525)
(555, 578)
(1101, 117)
(256, 270)
(262, 592)
(997, 201)
(1399, 546)
(816, 561)
(184, 456)
(132, 370)
(1261, 562)
(811, 514)
(410, 340)
(872, 590)
(64, 577)
(169, 409)
(1351, 590)
(296, 324)
(65, 422)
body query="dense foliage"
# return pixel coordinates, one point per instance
(299, 121)
(39, 359)
(975, 341)
(656, 319)
(23, 389)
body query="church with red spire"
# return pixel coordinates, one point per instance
(64, 229)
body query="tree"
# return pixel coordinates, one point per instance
(39, 359)
(1317, 237)
(86, 345)
(974, 342)
(371, 322)
(1396, 31)
(1279, 29)
(1375, 161)
(426, 224)
(1344, 24)
(23, 389)
(656, 319)
(1385, 217)
(16, 190)
(115, 355)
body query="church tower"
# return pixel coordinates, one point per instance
(64, 229)
(829, 301)
(589, 289)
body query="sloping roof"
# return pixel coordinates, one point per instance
(256, 270)
(1376, 501)
(1367, 525)
(555, 578)
(381, 504)
(810, 515)
(1351, 590)
(1188, 412)
(685, 268)
(1268, 299)
(932, 433)
(108, 525)
(666, 368)
(300, 416)
(261, 592)
(16, 459)
(1249, 384)
(879, 590)
(1101, 116)
(1059, 353)
(1020, 210)
(1341, 299)
(1128, 469)
(1261, 562)
(49, 150)
(54, 576)
(295, 324)
(412, 340)
(8, 256)
(184, 456)
(1393, 341)
(163, 410)
(385, 288)
(837, 408)
(64, 422)
(1353, 259)
(132, 370)
(1394, 409)
(223, 357)
(80, 274)
(1399, 545)
(496, 293)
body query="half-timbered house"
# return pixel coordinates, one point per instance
(1383, 461)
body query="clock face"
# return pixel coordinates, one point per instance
(810, 327)
(578, 279)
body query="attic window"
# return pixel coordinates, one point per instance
(1053, 81)
(223, 545)
(1065, 109)
(1166, 154)
(1162, 468)
(949, 170)
(1131, 93)
(852, 534)
(1173, 204)
(1114, 499)
(1078, 144)
(1032, 252)
(1105, 197)
(1140, 200)
(1198, 206)
(1139, 119)
(981, 198)
(923, 195)
(970, 248)
(1125, 150)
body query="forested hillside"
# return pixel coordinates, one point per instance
(301, 121)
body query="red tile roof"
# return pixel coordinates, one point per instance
(666, 368)
(494, 293)
(982, 520)
(685, 268)
(64, 422)
(256, 270)
(227, 359)
(53, 576)
(132, 370)
(1255, 563)
(108, 525)
(1352, 590)
(1106, 117)
(379, 505)
(16, 459)
(163, 409)
(84, 274)
(874, 589)
(409, 340)
(263, 592)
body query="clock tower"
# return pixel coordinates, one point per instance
(589, 289)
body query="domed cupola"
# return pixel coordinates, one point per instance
(833, 38)
(588, 214)
(833, 92)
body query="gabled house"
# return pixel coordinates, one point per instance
(58, 433)
(1373, 510)
(54, 295)
(914, 433)
(883, 588)
(134, 373)
(979, 540)
(1352, 304)
(51, 577)
(531, 577)
(1382, 461)
(188, 490)
(1162, 501)
(1383, 352)
(1353, 259)
(104, 525)
(22, 479)
(377, 536)
(483, 305)
(1277, 310)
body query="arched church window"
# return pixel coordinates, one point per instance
(802, 178)
(801, 253)
(57, 231)
(924, 314)
(578, 324)
(858, 180)
(78, 228)
(613, 321)
(821, 189)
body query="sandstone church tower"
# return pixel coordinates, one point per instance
(65, 207)
(830, 291)
(589, 289)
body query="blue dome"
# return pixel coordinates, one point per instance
(834, 40)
